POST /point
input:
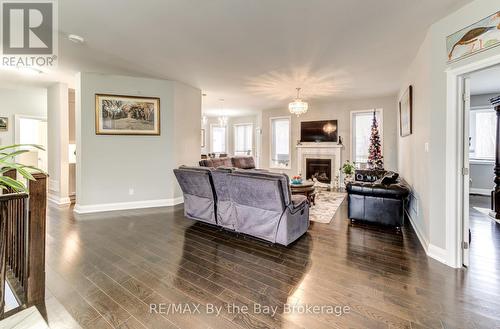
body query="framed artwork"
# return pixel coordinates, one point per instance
(406, 112)
(4, 123)
(203, 138)
(127, 115)
(474, 38)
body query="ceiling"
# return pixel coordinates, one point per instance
(485, 81)
(252, 53)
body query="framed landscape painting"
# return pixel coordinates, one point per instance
(406, 113)
(474, 38)
(127, 115)
(4, 123)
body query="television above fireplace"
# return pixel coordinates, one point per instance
(319, 131)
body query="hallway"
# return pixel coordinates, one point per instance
(485, 244)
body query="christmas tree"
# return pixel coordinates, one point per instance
(375, 158)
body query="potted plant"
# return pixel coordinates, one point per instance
(348, 169)
(8, 162)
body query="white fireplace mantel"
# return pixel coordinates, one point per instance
(324, 150)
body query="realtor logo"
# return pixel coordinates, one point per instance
(29, 33)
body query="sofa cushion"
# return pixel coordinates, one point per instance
(397, 190)
(389, 178)
(243, 162)
(216, 162)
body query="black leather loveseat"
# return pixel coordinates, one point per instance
(381, 201)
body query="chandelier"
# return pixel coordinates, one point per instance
(222, 118)
(298, 106)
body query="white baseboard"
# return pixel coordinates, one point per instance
(421, 237)
(86, 209)
(58, 201)
(480, 191)
(437, 253)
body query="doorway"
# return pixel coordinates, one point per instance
(480, 232)
(32, 130)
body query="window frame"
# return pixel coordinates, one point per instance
(212, 126)
(271, 138)
(236, 125)
(472, 131)
(353, 130)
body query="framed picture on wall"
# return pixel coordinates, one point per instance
(4, 123)
(127, 115)
(406, 113)
(475, 38)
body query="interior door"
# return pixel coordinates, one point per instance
(466, 172)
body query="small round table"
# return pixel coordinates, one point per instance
(305, 188)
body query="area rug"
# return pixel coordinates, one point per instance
(327, 204)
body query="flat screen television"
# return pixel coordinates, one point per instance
(319, 131)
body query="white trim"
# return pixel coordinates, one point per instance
(421, 237)
(482, 162)
(289, 142)
(380, 126)
(17, 126)
(437, 253)
(480, 191)
(85, 209)
(58, 201)
(454, 138)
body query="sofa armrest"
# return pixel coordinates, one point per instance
(298, 201)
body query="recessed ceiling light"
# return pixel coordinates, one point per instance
(29, 70)
(75, 38)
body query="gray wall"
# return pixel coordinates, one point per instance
(341, 111)
(425, 169)
(108, 166)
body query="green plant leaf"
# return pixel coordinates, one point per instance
(40, 147)
(17, 186)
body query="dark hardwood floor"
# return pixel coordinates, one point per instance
(106, 270)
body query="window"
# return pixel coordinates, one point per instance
(482, 134)
(280, 143)
(219, 138)
(361, 128)
(243, 139)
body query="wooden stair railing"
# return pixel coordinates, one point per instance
(22, 244)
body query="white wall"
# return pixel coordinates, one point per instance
(426, 171)
(108, 166)
(341, 111)
(20, 100)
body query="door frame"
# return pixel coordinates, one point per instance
(454, 155)
(17, 127)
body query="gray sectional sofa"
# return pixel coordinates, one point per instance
(253, 202)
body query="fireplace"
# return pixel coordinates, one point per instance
(321, 169)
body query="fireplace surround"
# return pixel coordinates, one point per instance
(322, 151)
